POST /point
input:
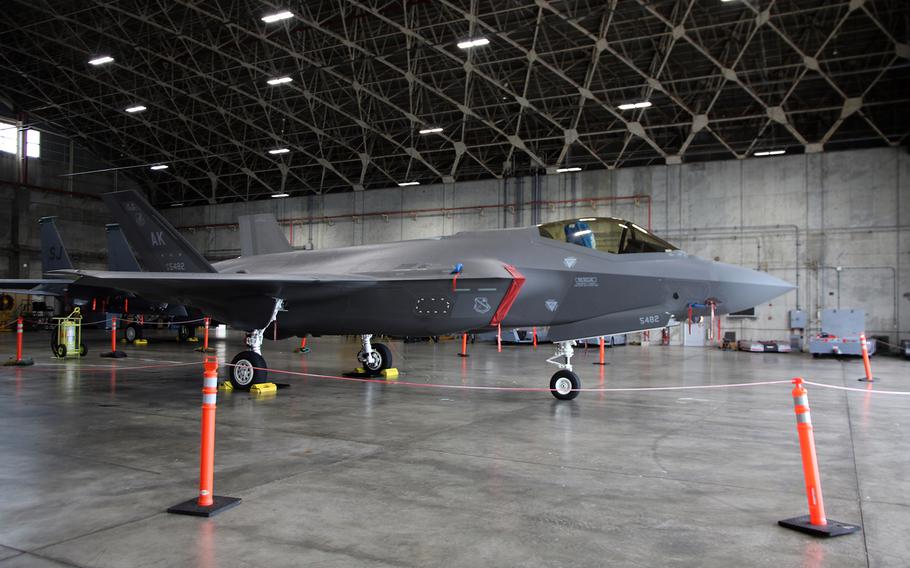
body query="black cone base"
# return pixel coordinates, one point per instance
(114, 354)
(599, 363)
(865, 380)
(24, 362)
(464, 354)
(833, 528)
(192, 508)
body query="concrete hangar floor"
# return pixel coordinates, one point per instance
(339, 473)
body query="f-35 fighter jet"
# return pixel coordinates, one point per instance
(581, 277)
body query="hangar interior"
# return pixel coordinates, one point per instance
(769, 135)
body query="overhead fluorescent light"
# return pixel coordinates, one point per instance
(276, 17)
(100, 60)
(281, 195)
(407, 183)
(433, 130)
(176, 204)
(770, 153)
(630, 106)
(137, 108)
(581, 233)
(564, 170)
(468, 44)
(279, 151)
(159, 167)
(279, 80)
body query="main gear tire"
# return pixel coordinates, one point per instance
(564, 385)
(248, 368)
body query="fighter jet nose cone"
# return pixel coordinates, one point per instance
(737, 288)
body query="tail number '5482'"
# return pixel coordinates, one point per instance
(649, 319)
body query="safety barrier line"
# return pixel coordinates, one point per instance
(108, 368)
(495, 388)
(96, 322)
(544, 389)
(853, 389)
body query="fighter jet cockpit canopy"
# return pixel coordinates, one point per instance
(606, 234)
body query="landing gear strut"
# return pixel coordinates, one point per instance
(564, 384)
(375, 357)
(248, 367)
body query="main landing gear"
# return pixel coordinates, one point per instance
(375, 357)
(248, 367)
(564, 384)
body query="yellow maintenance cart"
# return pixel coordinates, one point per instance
(66, 341)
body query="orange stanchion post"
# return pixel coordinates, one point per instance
(601, 348)
(205, 335)
(19, 361)
(866, 365)
(19, 331)
(114, 353)
(207, 503)
(815, 523)
(499, 338)
(534, 331)
(464, 345)
(303, 348)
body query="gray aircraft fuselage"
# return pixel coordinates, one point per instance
(576, 291)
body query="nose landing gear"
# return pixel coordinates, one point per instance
(564, 384)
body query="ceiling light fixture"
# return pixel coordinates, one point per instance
(279, 151)
(770, 153)
(100, 60)
(176, 204)
(281, 195)
(407, 183)
(468, 44)
(433, 130)
(277, 17)
(630, 106)
(159, 167)
(564, 170)
(137, 108)
(279, 80)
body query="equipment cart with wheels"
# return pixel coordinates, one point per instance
(66, 340)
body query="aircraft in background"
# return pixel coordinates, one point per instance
(582, 277)
(54, 256)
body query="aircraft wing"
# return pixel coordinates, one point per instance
(22, 285)
(246, 300)
(34, 287)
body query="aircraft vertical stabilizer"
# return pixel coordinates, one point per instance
(159, 246)
(53, 253)
(261, 234)
(120, 257)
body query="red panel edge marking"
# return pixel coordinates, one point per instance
(505, 305)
